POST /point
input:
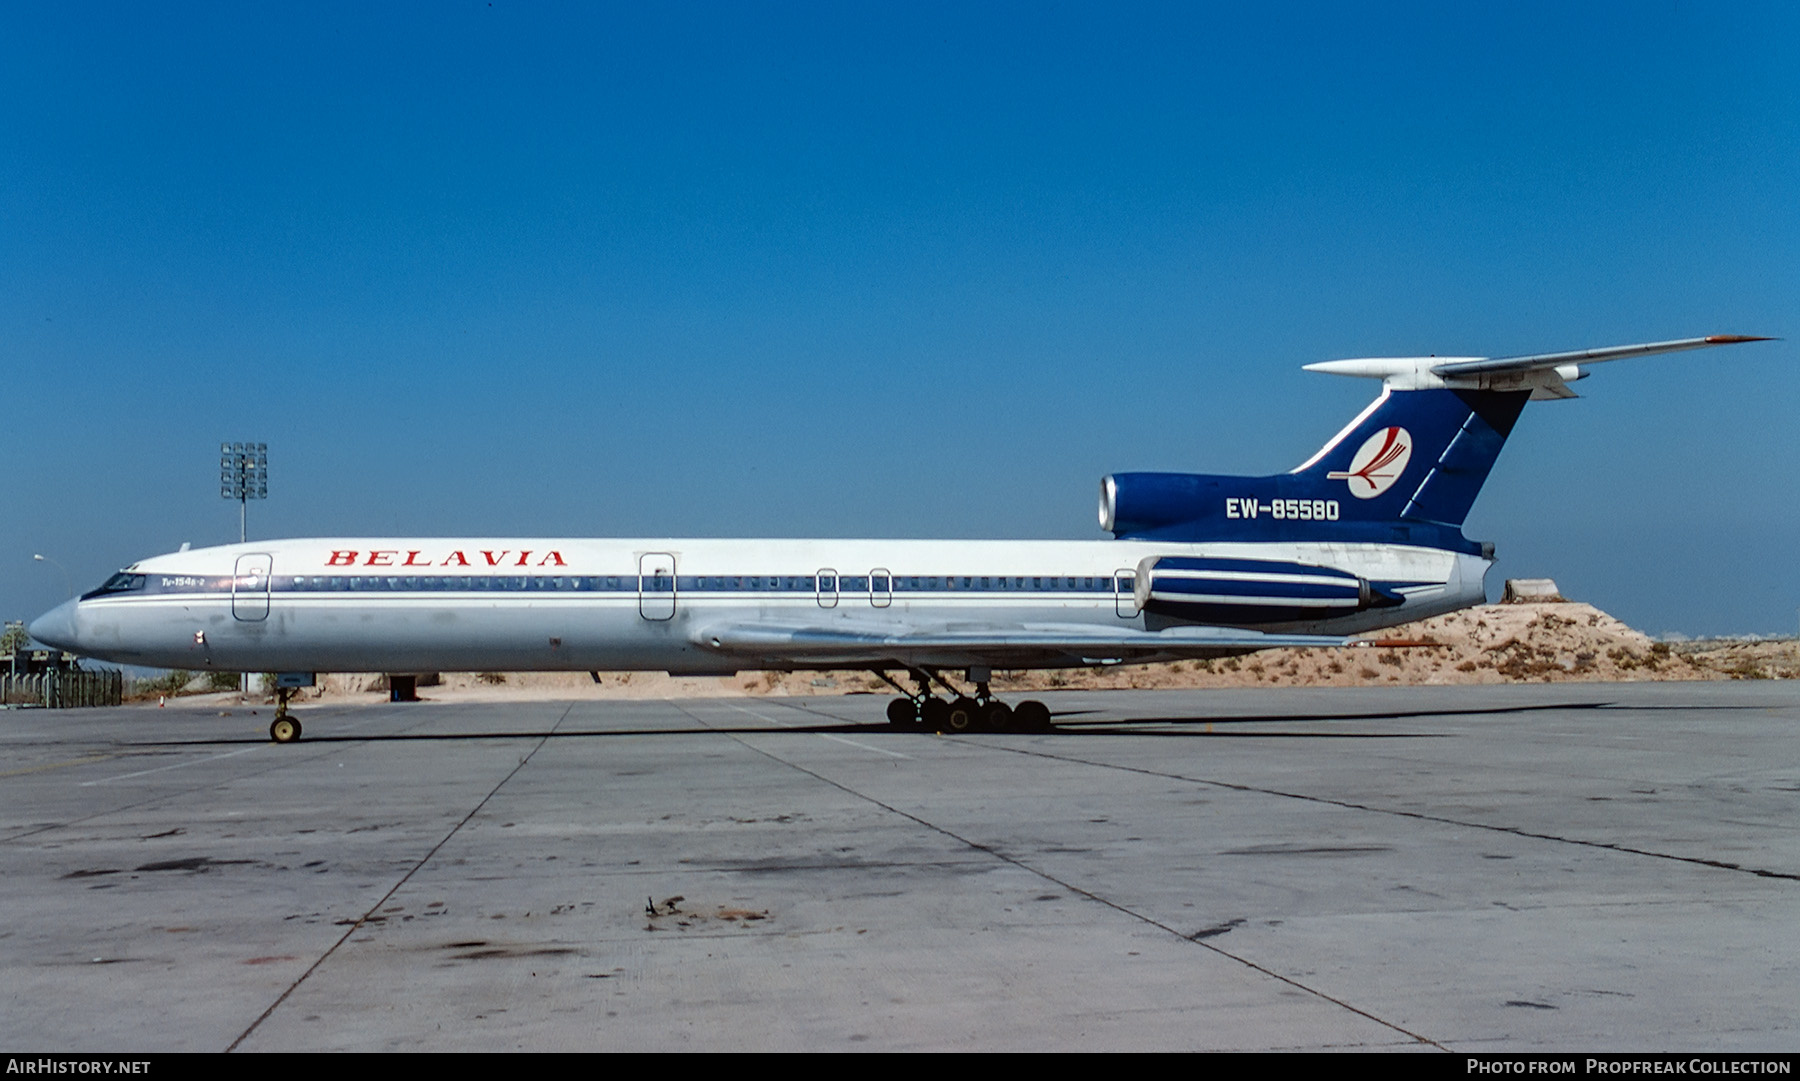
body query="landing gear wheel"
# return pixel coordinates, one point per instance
(965, 715)
(284, 730)
(935, 714)
(997, 717)
(903, 713)
(1032, 716)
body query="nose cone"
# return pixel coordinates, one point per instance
(57, 627)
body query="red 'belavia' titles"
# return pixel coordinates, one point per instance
(390, 557)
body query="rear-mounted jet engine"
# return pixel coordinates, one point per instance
(1242, 592)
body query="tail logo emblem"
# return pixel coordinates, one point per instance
(1378, 463)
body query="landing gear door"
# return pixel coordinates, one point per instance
(656, 585)
(1125, 593)
(250, 587)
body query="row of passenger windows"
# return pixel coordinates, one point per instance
(625, 583)
(881, 584)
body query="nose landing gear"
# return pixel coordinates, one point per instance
(284, 729)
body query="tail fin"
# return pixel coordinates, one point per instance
(1416, 454)
(1406, 469)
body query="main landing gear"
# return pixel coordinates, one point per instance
(980, 712)
(284, 729)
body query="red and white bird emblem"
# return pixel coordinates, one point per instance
(1378, 463)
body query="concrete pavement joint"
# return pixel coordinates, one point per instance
(1071, 887)
(413, 870)
(1418, 815)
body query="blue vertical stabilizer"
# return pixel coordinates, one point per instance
(1406, 469)
(1420, 455)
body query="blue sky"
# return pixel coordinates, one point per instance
(909, 270)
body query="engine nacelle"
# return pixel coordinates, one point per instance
(1250, 591)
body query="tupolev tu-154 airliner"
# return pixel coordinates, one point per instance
(1365, 534)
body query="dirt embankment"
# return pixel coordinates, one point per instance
(1497, 643)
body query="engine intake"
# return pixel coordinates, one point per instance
(1133, 503)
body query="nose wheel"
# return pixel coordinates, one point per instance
(284, 728)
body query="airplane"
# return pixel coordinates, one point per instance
(1365, 534)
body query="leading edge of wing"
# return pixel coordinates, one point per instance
(948, 644)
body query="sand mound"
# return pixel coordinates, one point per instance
(1500, 643)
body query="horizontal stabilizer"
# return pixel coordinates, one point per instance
(1548, 373)
(1545, 361)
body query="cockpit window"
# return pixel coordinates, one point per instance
(121, 582)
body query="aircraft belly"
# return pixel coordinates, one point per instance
(388, 635)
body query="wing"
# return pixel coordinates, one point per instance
(850, 644)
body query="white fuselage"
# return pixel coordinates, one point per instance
(409, 605)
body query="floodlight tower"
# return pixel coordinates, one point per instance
(243, 476)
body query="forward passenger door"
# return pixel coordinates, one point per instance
(250, 587)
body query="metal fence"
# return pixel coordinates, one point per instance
(63, 690)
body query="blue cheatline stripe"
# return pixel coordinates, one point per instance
(1188, 601)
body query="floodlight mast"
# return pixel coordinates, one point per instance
(243, 476)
